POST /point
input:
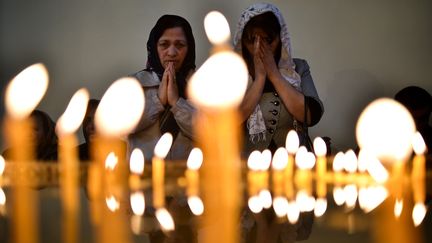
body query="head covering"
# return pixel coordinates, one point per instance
(153, 62)
(255, 123)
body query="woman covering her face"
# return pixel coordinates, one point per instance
(170, 62)
(279, 85)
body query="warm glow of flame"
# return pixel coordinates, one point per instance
(208, 82)
(350, 164)
(163, 145)
(74, 114)
(2, 165)
(377, 170)
(280, 206)
(300, 157)
(254, 160)
(266, 158)
(137, 203)
(280, 159)
(255, 204)
(217, 28)
(2, 197)
(338, 162)
(196, 205)
(385, 128)
(293, 212)
(305, 202)
(112, 203)
(363, 160)
(418, 213)
(339, 196)
(292, 142)
(111, 161)
(398, 208)
(165, 219)
(26, 90)
(351, 194)
(320, 207)
(320, 147)
(136, 164)
(418, 144)
(265, 198)
(120, 108)
(195, 159)
(372, 197)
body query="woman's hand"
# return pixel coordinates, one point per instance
(260, 72)
(169, 74)
(172, 89)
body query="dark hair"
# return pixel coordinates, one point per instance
(153, 62)
(414, 98)
(46, 148)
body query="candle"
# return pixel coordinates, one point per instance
(253, 164)
(279, 163)
(194, 162)
(136, 166)
(338, 194)
(217, 131)
(303, 179)
(418, 179)
(2, 194)
(264, 193)
(320, 149)
(22, 95)
(67, 125)
(118, 113)
(350, 189)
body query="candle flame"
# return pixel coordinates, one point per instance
(363, 160)
(265, 198)
(195, 159)
(339, 196)
(266, 157)
(165, 219)
(196, 205)
(377, 170)
(418, 213)
(137, 203)
(292, 142)
(300, 157)
(338, 162)
(255, 204)
(208, 82)
(216, 27)
(136, 164)
(2, 165)
(418, 144)
(26, 90)
(111, 161)
(320, 207)
(372, 197)
(280, 159)
(398, 208)
(74, 114)
(293, 212)
(120, 108)
(163, 145)
(254, 160)
(112, 203)
(2, 197)
(351, 194)
(320, 146)
(304, 201)
(280, 206)
(350, 164)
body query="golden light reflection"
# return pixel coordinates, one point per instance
(136, 222)
(265, 198)
(377, 170)
(2, 197)
(2, 165)
(165, 219)
(398, 207)
(350, 164)
(111, 161)
(254, 204)
(137, 203)
(418, 213)
(137, 161)
(196, 205)
(320, 207)
(371, 197)
(26, 90)
(293, 212)
(280, 206)
(351, 194)
(339, 196)
(112, 203)
(74, 114)
(305, 202)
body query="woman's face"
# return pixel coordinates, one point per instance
(172, 47)
(250, 36)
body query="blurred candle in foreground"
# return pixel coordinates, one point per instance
(67, 125)
(22, 95)
(418, 179)
(194, 162)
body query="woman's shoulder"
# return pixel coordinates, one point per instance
(146, 78)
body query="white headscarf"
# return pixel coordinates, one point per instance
(255, 122)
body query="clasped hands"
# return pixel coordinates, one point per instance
(264, 61)
(168, 91)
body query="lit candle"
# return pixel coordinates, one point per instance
(279, 163)
(350, 189)
(136, 166)
(264, 193)
(418, 178)
(23, 94)
(292, 144)
(305, 161)
(216, 116)
(67, 125)
(320, 149)
(253, 164)
(194, 162)
(2, 194)
(118, 113)
(137, 200)
(338, 165)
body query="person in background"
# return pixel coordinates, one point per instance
(281, 93)
(46, 141)
(170, 63)
(88, 130)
